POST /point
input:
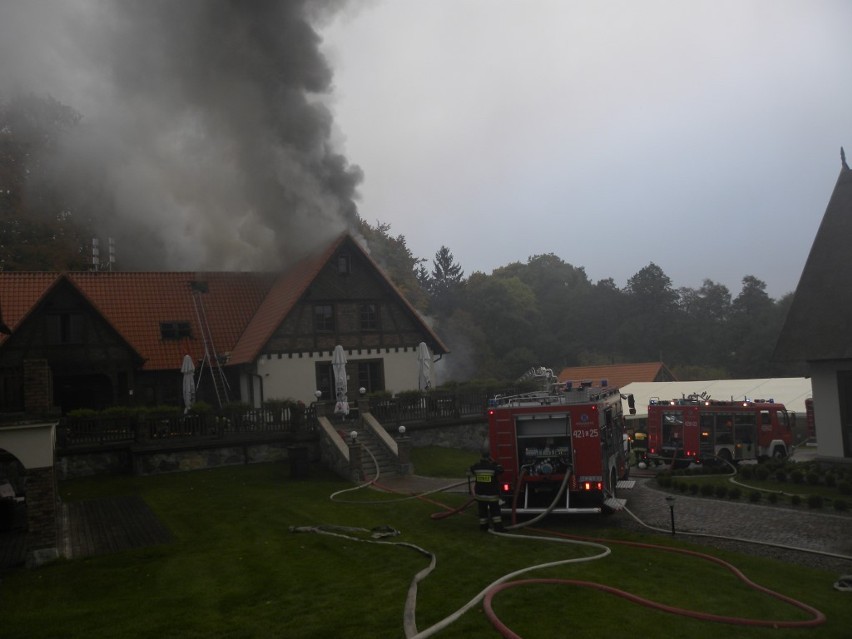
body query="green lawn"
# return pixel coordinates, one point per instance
(235, 570)
(433, 461)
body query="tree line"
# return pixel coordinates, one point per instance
(544, 311)
(548, 312)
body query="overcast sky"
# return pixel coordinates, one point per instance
(703, 136)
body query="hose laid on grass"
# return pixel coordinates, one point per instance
(509, 580)
(375, 482)
(817, 617)
(411, 602)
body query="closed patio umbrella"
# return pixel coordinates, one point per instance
(338, 365)
(424, 363)
(188, 370)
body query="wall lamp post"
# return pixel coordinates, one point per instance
(670, 500)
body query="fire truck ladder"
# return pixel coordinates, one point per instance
(211, 358)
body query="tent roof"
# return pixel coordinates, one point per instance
(790, 391)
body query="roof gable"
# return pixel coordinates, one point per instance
(291, 286)
(617, 375)
(821, 311)
(285, 292)
(19, 294)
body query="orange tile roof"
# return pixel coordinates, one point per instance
(242, 309)
(135, 303)
(617, 375)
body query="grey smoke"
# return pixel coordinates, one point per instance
(206, 139)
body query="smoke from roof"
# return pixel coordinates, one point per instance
(206, 141)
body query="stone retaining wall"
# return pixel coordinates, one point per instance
(469, 436)
(117, 462)
(125, 461)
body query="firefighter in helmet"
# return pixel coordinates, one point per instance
(486, 491)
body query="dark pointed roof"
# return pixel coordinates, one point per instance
(820, 317)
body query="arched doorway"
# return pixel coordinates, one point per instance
(13, 480)
(28, 454)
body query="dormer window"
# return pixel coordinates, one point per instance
(175, 330)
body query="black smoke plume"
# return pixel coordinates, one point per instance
(206, 139)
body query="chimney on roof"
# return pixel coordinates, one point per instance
(3, 328)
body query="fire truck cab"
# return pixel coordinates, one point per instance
(696, 428)
(562, 435)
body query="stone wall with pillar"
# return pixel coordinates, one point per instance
(33, 446)
(42, 520)
(38, 387)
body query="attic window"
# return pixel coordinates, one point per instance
(175, 330)
(65, 328)
(344, 264)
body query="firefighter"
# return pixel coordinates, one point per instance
(486, 491)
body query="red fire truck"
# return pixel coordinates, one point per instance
(540, 437)
(697, 428)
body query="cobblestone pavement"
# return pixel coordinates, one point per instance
(781, 525)
(801, 528)
(789, 527)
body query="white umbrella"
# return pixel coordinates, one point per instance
(424, 360)
(188, 370)
(338, 365)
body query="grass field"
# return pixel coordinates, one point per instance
(236, 570)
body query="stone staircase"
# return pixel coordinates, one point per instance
(372, 449)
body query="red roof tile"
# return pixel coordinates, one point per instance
(617, 375)
(135, 304)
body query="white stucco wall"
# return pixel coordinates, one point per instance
(295, 377)
(32, 444)
(829, 432)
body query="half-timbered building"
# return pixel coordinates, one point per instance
(119, 338)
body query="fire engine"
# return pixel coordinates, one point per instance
(542, 437)
(697, 428)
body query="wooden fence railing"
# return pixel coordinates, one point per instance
(151, 428)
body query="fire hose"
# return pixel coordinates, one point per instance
(510, 580)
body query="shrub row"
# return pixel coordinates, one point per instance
(733, 492)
